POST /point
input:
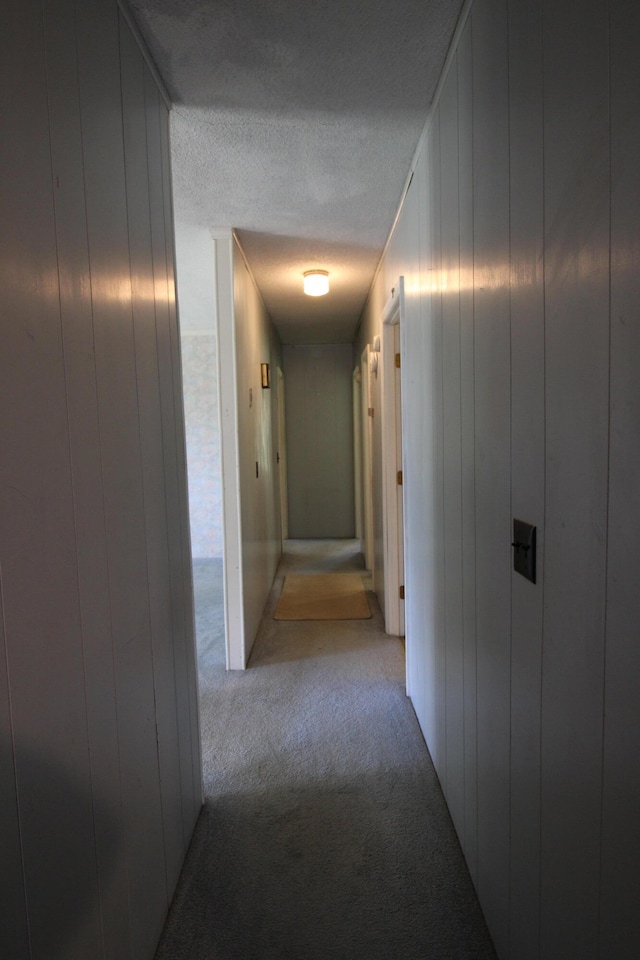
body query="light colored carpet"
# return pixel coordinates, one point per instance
(209, 611)
(324, 834)
(322, 596)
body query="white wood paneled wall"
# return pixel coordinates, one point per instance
(257, 342)
(519, 246)
(620, 923)
(577, 330)
(99, 739)
(249, 438)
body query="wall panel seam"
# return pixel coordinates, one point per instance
(13, 764)
(608, 493)
(72, 472)
(509, 248)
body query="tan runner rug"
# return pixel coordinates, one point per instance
(324, 596)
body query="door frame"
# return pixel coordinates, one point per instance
(233, 578)
(282, 455)
(367, 463)
(357, 455)
(391, 428)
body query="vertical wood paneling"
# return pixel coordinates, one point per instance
(249, 331)
(107, 231)
(147, 870)
(173, 444)
(419, 505)
(191, 785)
(37, 545)
(439, 745)
(577, 345)
(84, 426)
(195, 793)
(467, 439)
(548, 432)
(620, 921)
(13, 906)
(173, 720)
(527, 463)
(175, 453)
(431, 694)
(254, 547)
(413, 394)
(247, 338)
(452, 467)
(228, 373)
(82, 504)
(13, 263)
(492, 457)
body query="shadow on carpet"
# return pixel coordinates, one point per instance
(317, 874)
(324, 835)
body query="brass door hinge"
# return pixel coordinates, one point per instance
(397, 359)
(402, 592)
(399, 478)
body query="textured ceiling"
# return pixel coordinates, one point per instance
(295, 123)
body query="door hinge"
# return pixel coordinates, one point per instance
(399, 478)
(397, 360)
(402, 592)
(370, 411)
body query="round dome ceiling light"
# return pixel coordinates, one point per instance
(316, 283)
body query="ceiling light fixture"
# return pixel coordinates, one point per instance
(316, 283)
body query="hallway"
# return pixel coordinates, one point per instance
(324, 832)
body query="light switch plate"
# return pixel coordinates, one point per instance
(524, 549)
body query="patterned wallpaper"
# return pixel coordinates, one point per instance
(200, 379)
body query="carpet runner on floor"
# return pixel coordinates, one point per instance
(326, 596)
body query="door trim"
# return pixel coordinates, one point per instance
(393, 315)
(282, 455)
(367, 464)
(357, 455)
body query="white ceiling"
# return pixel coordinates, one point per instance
(295, 123)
